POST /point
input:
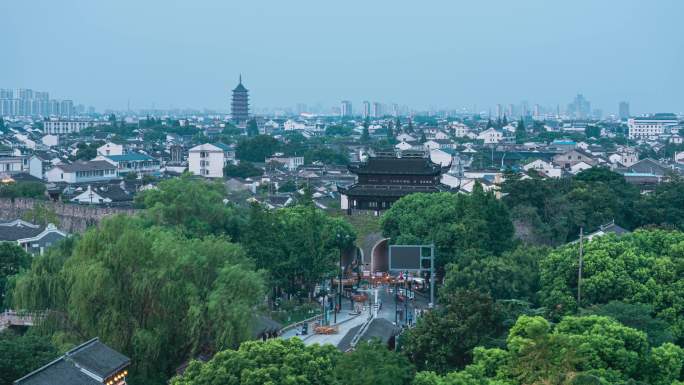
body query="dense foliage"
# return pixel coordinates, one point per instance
(642, 267)
(13, 259)
(21, 354)
(578, 350)
(455, 223)
(22, 190)
(150, 293)
(551, 211)
(299, 245)
(193, 205)
(242, 170)
(291, 362)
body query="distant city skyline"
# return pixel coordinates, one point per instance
(426, 55)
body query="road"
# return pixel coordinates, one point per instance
(383, 301)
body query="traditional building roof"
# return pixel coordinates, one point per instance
(90, 363)
(19, 229)
(398, 166)
(389, 190)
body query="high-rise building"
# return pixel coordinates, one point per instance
(537, 111)
(345, 109)
(376, 110)
(580, 108)
(395, 110)
(499, 111)
(623, 110)
(240, 103)
(66, 108)
(366, 109)
(6, 93)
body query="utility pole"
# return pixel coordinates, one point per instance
(579, 271)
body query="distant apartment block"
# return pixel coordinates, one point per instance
(65, 127)
(346, 109)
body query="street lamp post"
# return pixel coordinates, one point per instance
(341, 241)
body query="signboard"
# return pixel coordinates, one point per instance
(410, 257)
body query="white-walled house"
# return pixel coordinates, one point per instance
(50, 140)
(110, 148)
(403, 146)
(491, 136)
(208, 160)
(82, 171)
(35, 167)
(544, 167)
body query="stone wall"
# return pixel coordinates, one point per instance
(72, 218)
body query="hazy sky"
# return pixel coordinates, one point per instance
(423, 53)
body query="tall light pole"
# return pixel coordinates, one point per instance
(341, 242)
(579, 271)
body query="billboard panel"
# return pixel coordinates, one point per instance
(404, 258)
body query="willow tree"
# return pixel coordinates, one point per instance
(151, 293)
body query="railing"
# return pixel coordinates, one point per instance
(18, 318)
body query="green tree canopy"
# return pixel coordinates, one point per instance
(643, 267)
(22, 354)
(372, 363)
(443, 339)
(13, 259)
(455, 223)
(193, 205)
(257, 148)
(276, 362)
(299, 245)
(152, 294)
(577, 351)
(242, 170)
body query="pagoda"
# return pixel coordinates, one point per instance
(240, 103)
(386, 177)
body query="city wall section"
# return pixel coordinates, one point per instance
(72, 218)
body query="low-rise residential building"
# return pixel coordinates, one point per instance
(82, 172)
(491, 136)
(208, 160)
(110, 149)
(291, 162)
(570, 158)
(13, 164)
(35, 239)
(545, 168)
(133, 162)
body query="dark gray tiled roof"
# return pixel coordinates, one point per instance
(98, 358)
(15, 230)
(58, 372)
(92, 356)
(93, 165)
